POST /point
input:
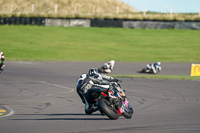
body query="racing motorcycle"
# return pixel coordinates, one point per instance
(146, 70)
(107, 67)
(2, 66)
(111, 102)
(152, 68)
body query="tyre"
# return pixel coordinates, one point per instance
(128, 113)
(105, 107)
(1, 69)
(143, 70)
(130, 108)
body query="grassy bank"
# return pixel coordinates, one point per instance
(99, 44)
(84, 9)
(64, 8)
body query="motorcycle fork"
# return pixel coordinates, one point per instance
(120, 111)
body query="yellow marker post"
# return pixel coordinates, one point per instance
(195, 70)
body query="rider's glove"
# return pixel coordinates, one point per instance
(115, 80)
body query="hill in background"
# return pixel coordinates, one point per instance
(84, 9)
(64, 8)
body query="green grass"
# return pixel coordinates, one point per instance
(174, 77)
(99, 44)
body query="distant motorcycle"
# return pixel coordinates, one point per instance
(2, 66)
(153, 68)
(112, 103)
(107, 67)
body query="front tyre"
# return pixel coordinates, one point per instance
(130, 108)
(128, 112)
(105, 107)
(127, 115)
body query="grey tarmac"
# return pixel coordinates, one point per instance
(43, 98)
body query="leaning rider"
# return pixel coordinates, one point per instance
(155, 67)
(90, 80)
(2, 65)
(107, 67)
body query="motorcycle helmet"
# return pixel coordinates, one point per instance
(94, 73)
(159, 63)
(112, 62)
(1, 56)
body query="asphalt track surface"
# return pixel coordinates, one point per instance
(40, 97)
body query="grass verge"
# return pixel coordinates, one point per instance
(174, 77)
(98, 44)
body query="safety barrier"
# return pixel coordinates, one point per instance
(67, 22)
(161, 25)
(100, 22)
(106, 22)
(22, 21)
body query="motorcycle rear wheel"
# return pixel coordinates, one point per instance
(105, 107)
(145, 70)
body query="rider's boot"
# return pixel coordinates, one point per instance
(91, 109)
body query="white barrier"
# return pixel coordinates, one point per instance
(67, 22)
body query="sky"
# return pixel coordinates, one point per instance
(166, 6)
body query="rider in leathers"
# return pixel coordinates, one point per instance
(155, 67)
(92, 80)
(2, 65)
(107, 67)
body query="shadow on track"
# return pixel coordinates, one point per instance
(59, 114)
(73, 114)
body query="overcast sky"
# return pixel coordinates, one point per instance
(177, 6)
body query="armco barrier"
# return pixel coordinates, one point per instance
(22, 21)
(106, 22)
(187, 25)
(121, 23)
(148, 25)
(161, 25)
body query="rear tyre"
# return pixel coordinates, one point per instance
(144, 70)
(105, 107)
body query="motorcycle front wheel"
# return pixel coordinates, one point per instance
(128, 113)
